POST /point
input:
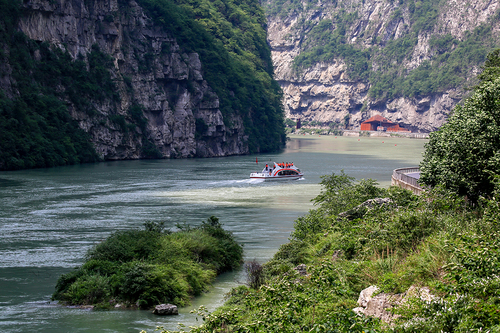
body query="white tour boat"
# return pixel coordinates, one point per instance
(277, 172)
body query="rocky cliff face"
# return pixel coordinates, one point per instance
(325, 92)
(150, 70)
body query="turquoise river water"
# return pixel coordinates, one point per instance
(49, 218)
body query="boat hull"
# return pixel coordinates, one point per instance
(264, 177)
(278, 171)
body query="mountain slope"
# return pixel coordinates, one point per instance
(135, 79)
(407, 60)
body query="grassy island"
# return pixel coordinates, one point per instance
(143, 268)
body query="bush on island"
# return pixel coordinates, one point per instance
(148, 267)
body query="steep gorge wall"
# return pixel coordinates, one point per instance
(149, 69)
(326, 92)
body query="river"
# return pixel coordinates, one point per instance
(49, 218)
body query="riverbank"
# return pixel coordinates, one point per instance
(51, 217)
(356, 264)
(355, 133)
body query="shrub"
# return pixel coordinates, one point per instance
(148, 267)
(89, 289)
(123, 246)
(255, 274)
(462, 155)
(410, 228)
(149, 285)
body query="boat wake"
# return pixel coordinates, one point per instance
(236, 182)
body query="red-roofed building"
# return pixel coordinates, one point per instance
(379, 123)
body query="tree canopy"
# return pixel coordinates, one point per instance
(464, 154)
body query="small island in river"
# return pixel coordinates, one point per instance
(144, 268)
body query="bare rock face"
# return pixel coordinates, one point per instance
(324, 92)
(170, 88)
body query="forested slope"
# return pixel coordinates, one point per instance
(83, 81)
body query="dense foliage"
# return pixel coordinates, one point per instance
(148, 267)
(36, 129)
(434, 240)
(230, 38)
(380, 59)
(463, 155)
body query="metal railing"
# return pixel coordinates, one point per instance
(400, 178)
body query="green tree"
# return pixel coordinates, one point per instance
(464, 154)
(491, 68)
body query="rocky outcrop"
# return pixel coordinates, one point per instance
(325, 92)
(379, 305)
(149, 70)
(361, 209)
(166, 310)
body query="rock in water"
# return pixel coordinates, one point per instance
(166, 310)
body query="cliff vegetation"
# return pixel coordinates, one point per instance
(409, 60)
(114, 79)
(36, 129)
(144, 268)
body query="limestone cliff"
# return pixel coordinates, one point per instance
(171, 89)
(326, 91)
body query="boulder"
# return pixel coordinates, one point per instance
(361, 209)
(378, 306)
(301, 269)
(366, 295)
(166, 310)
